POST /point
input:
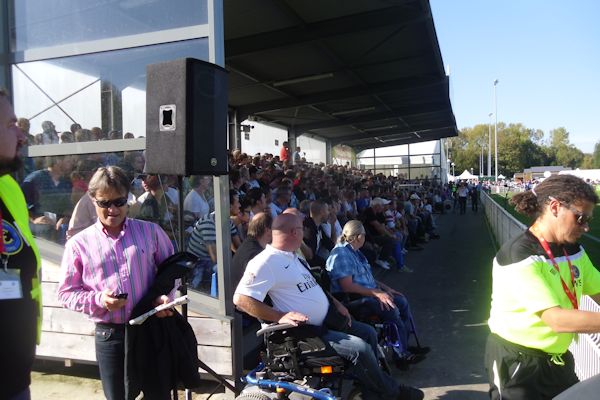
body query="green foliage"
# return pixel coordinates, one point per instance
(519, 147)
(596, 156)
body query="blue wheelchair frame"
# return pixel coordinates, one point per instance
(273, 385)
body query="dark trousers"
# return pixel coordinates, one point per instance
(520, 373)
(24, 395)
(462, 201)
(110, 354)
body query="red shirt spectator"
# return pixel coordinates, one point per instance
(284, 153)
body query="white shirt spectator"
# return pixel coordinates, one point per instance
(288, 283)
(196, 204)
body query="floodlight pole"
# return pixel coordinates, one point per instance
(489, 165)
(496, 129)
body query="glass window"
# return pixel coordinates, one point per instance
(56, 192)
(103, 93)
(43, 23)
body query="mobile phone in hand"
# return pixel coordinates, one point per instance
(121, 295)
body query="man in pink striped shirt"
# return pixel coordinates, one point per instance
(107, 268)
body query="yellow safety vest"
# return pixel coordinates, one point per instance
(13, 199)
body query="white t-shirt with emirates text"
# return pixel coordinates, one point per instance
(288, 283)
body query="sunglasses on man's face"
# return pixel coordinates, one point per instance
(120, 202)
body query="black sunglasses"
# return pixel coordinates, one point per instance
(582, 219)
(120, 202)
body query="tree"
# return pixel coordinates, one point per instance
(596, 156)
(569, 156)
(559, 137)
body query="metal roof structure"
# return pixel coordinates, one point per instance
(364, 73)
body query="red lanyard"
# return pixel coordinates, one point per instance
(571, 295)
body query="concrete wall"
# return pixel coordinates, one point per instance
(268, 138)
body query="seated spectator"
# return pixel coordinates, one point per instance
(351, 274)
(332, 227)
(157, 206)
(242, 219)
(391, 246)
(48, 195)
(363, 200)
(203, 244)
(314, 237)
(196, 201)
(297, 298)
(258, 201)
(252, 178)
(83, 135)
(281, 201)
(49, 134)
(259, 235)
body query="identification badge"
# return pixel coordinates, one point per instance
(10, 284)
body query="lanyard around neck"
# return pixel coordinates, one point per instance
(572, 295)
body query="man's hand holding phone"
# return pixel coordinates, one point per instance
(113, 301)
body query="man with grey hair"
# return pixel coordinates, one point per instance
(297, 298)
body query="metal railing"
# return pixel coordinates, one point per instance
(586, 347)
(503, 225)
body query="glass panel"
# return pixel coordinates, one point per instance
(103, 93)
(400, 150)
(422, 160)
(43, 23)
(53, 186)
(366, 153)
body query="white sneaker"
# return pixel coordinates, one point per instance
(405, 269)
(383, 264)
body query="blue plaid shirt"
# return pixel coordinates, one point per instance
(345, 261)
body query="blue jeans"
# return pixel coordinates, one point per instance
(401, 316)
(362, 355)
(24, 395)
(110, 353)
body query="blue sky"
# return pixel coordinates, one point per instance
(545, 54)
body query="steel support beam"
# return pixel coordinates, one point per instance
(318, 31)
(418, 129)
(404, 112)
(399, 85)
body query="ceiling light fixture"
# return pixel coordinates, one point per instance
(353, 111)
(303, 79)
(380, 128)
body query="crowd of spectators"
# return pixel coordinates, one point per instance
(397, 215)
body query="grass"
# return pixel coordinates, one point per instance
(591, 247)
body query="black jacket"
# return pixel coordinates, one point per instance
(311, 230)
(161, 352)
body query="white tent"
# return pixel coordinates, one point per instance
(466, 175)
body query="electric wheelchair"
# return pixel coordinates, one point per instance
(298, 364)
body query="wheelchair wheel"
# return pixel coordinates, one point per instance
(253, 396)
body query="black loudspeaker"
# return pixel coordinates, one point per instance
(186, 118)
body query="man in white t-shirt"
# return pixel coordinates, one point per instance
(278, 272)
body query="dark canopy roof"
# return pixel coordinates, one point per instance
(365, 73)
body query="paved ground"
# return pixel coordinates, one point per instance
(449, 294)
